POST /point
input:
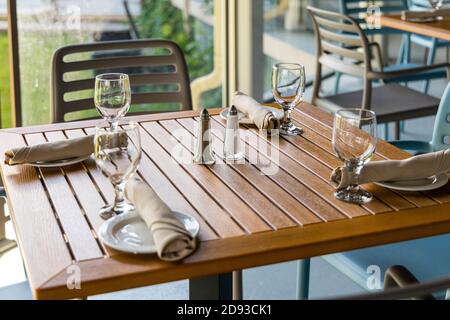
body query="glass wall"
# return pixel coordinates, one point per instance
(5, 100)
(45, 25)
(288, 35)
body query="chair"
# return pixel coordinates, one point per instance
(354, 9)
(391, 102)
(431, 44)
(157, 70)
(401, 283)
(441, 132)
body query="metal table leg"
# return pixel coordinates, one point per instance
(303, 267)
(217, 287)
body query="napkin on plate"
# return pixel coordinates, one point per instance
(263, 117)
(418, 167)
(51, 151)
(407, 15)
(59, 150)
(173, 242)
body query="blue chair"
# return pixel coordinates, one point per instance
(431, 44)
(354, 9)
(415, 255)
(441, 132)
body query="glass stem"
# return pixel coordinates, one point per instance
(354, 169)
(287, 115)
(119, 194)
(114, 125)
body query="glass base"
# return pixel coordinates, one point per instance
(233, 157)
(109, 211)
(351, 195)
(290, 130)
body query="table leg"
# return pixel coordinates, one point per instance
(237, 285)
(303, 268)
(217, 287)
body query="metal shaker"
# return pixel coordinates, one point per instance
(203, 146)
(232, 143)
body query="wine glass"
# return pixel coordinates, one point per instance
(354, 141)
(117, 155)
(112, 96)
(288, 86)
(436, 4)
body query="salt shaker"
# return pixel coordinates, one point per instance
(231, 146)
(203, 146)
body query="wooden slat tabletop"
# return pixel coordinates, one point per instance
(247, 218)
(438, 29)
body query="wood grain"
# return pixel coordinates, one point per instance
(259, 203)
(438, 29)
(80, 239)
(37, 229)
(248, 218)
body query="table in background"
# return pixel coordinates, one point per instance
(247, 219)
(438, 29)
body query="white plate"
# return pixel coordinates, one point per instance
(243, 118)
(430, 183)
(58, 163)
(129, 233)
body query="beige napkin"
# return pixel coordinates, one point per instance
(173, 242)
(261, 116)
(51, 151)
(407, 15)
(418, 167)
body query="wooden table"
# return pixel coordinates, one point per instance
(247, 219)
(439, 29)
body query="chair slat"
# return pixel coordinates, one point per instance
(341, 37)
(118, 62)
(135, 79)
(341, 66)
(347, 53)
(337, 25)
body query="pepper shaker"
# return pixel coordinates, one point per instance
(232, 146)
(203, 146)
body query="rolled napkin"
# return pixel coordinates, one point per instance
(263, 117)
(407, 15)
(60, 150)
(173, 242)
(418, 167)
(51, 151)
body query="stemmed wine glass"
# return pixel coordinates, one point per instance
(112, 96)
(288, 86)
(117, 155)
(354, 141)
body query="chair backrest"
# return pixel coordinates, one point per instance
(342, 46)
(358, 10)
(157, 70)
(441, 132)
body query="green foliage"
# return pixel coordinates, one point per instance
(4, 82)
(160, 19)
